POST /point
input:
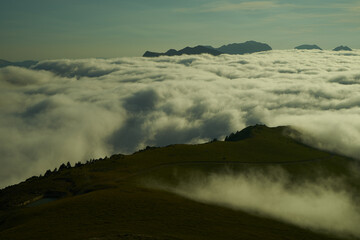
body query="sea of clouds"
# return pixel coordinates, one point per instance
(74, 110)
(323, 205)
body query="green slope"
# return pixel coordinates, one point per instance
(107, 199)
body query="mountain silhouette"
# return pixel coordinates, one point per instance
(246, 47)
(342, 48)
(234, 48)
(308, 47)
(188, 50)
(247, 132)
(26, 64)
(4, 63)
(199, 50)
(152, 54)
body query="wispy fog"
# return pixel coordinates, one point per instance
(323, 205)
(71, 110)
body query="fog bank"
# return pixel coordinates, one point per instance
(72, 110)
(322, 206)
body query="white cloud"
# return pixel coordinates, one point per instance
(71, 110)
(323, 205)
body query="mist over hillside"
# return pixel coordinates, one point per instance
(323, 205)
(70, 110)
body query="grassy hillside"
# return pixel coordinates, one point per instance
(107, 198)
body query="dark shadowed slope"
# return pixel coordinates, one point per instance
(107, 198)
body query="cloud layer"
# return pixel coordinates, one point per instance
(322, 206)
(72, 110)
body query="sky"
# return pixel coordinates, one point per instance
(49, 29)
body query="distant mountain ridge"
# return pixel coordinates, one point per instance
(342, 48)
(26, 64)
(188, 50)
(243, 48)
(308, 47)
(234, 48)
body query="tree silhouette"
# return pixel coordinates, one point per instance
(62, 166)
(47, 173)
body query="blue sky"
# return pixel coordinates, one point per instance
(47, 29)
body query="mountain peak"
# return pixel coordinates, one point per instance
(308, 47)
(342, 48)
(243, 48)
(255, 130)
(233, 48)
(187, 50)
(171, 52)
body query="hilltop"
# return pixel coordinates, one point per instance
(109, 198)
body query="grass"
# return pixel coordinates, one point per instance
(107, 200)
